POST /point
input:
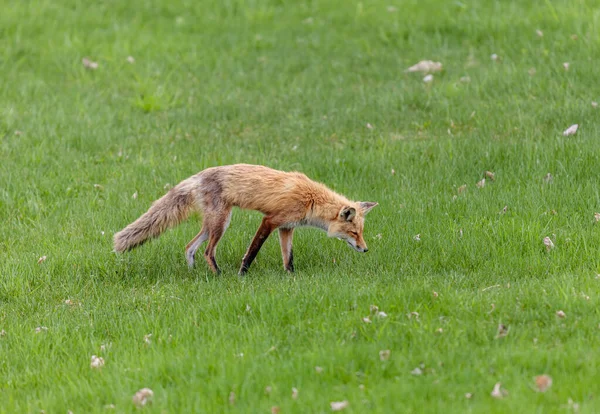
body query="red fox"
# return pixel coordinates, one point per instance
(287, 199)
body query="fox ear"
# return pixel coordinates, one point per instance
(348, 213)
(367, 206)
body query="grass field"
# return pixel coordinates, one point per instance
(320, 87)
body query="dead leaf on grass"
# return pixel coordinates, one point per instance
(498, 392)
(425, 66)
(561, 314)
(502, 331)
(97, 362)
(143, 397)
(339, 405)
(572, 130)
(385, 354)
(543, 382)
(548, 243)
(89, 64)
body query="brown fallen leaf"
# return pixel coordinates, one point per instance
(339, 405)
(481, 183)
(572, 130)
(539, 33)
(89, 64)
(462, 189)
(566, 66)
(97, 362)
(425, 66)
(295, 393)
(143, 397)
(385, 354)
(42, 259)
(498, 392)
(490, 175)
(597, 216)
(543, 382)
(502, 331)
(548, 243)
(275, 410)
(130, 59)
(561, 314)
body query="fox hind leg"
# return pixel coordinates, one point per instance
(216, 224)
(193, 246)
(285, 240)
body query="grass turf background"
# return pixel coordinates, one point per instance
(293, 85)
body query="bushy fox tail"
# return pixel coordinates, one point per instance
(167, 211)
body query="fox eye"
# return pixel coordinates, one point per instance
(354, 233)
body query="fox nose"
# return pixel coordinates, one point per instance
(366, 250)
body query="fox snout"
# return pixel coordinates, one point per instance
(357, 246)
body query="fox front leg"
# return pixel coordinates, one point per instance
(285, 240)
(265, 229)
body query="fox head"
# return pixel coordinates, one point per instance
(349, 224)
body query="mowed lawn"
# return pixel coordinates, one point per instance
(320, 87)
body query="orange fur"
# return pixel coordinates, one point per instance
(287, 199)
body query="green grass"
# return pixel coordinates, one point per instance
(292, 85)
